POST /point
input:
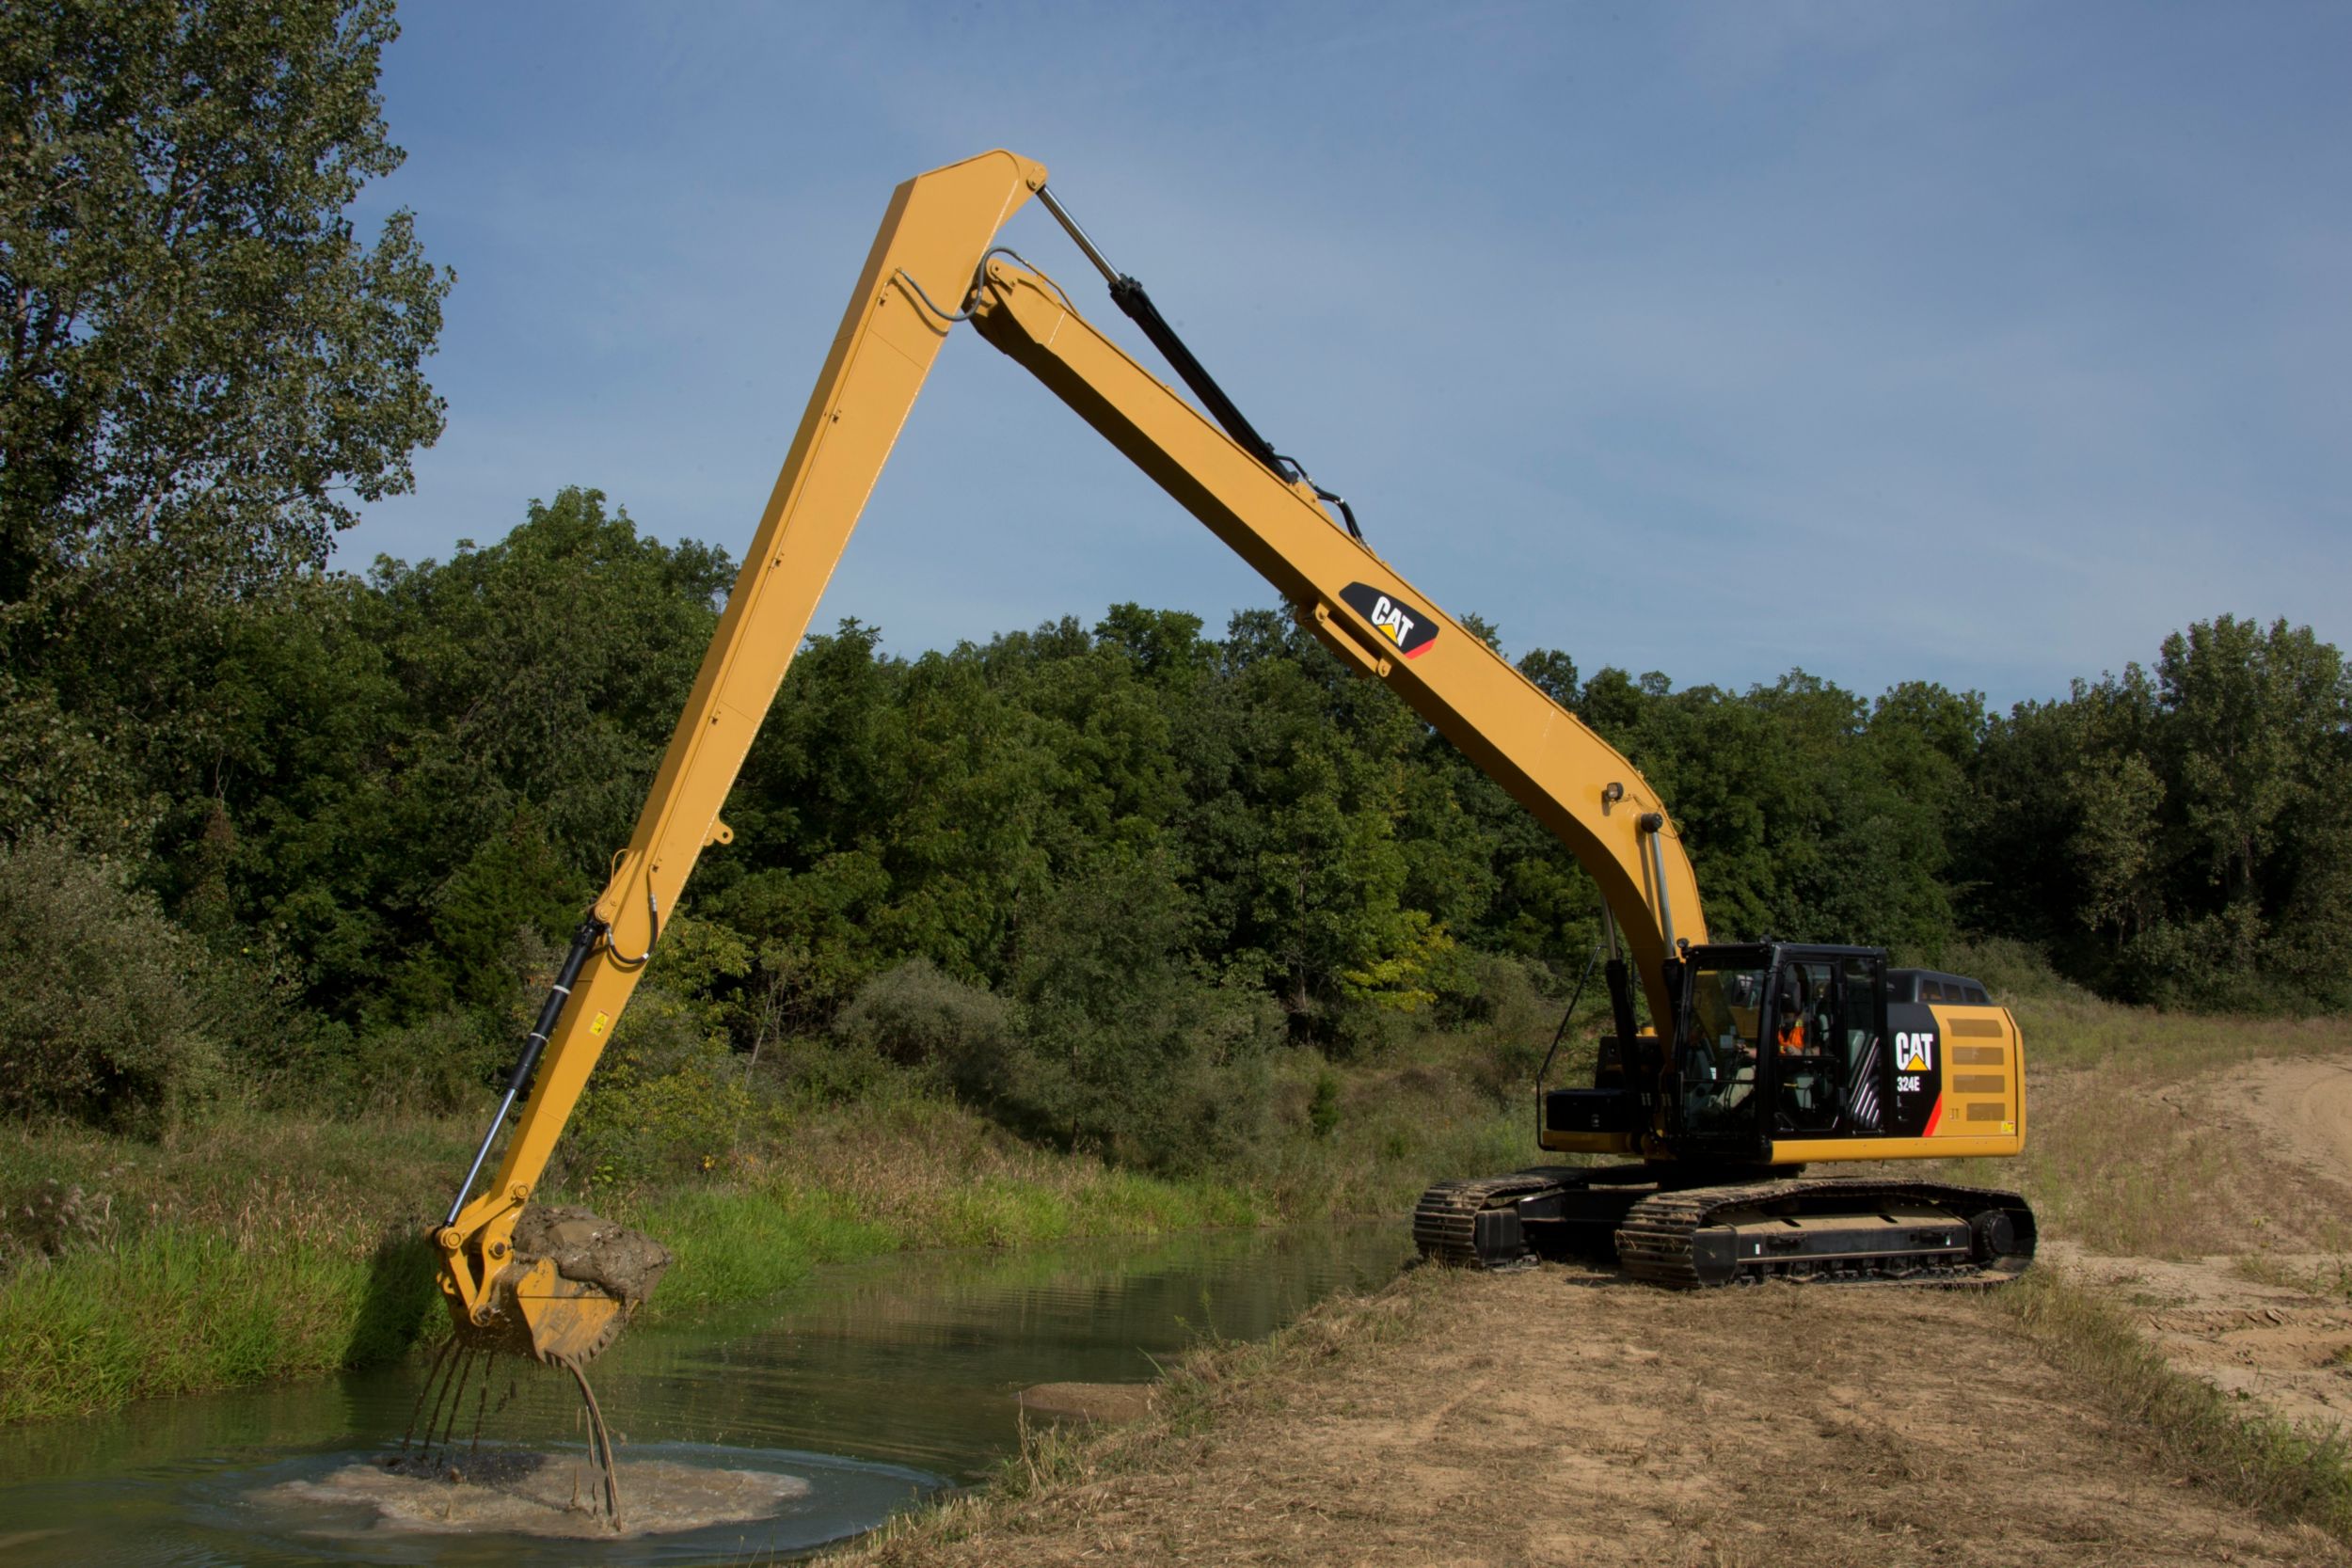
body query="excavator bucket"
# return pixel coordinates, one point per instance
(572, 1281)
(565, 1283)
(569, 1320)
(535, 1311)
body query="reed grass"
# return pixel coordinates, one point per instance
(261, 1246)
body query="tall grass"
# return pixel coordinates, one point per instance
(739, 1242)
(173, 1311)
(258, 1247)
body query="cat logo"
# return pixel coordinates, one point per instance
(1914, 1052)
(1412, 631)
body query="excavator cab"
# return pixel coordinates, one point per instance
(1775, 1041)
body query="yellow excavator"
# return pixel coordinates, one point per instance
(1757, 1057)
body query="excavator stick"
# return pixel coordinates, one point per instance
(933, 237)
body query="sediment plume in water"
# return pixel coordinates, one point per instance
(520, 1493)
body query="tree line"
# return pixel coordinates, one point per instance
(372, 806)
(263, 822)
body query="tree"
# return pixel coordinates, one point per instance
(2254, 736)
(203, 366)
(2250, 716)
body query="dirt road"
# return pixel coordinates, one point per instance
(1563, 1416)
(2306, 1104)
(2269, 1323)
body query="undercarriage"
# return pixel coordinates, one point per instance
(1730, 1228)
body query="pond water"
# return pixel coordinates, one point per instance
(871, 1386)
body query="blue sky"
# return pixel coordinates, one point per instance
(1984, 344)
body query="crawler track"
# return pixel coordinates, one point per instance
(1908, 1232)
(1445, 1221)
(1844, 1229)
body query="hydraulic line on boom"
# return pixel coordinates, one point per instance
(1127, 294)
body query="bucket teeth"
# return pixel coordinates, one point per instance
(537, 1312)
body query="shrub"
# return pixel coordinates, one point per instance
(1520, 1018)
(1323, 1111)
(916, 1017)
(2008, 968)
(444, 1062)
(667, 1098)
(104, 1012)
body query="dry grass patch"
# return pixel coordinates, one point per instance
(1565, 1417)
(1059, 1471)
(2286, 1473)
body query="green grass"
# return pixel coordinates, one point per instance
(256, 1245)
(2198, 1432)
(305, 1278)
(247, 1248)
(173, 1311)
(739, 1243)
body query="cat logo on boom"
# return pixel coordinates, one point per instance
(1412, 631)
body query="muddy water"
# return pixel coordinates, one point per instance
(874, 1384)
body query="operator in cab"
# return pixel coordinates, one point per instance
(1791, 1034)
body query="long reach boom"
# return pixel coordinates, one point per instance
(933, 265)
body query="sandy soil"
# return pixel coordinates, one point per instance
(2285, 1345)
(2272, 1328)
(2307, 1105)
(1563, 1415)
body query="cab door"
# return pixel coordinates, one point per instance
(1828, 1060)
(1870, 1068)
(1717, 1088)
(1803, 1046)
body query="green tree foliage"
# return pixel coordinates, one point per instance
(429, 762)
(1091, 878)
(2184, 836)
(203, 369)
(203, 365)
(107, 1016)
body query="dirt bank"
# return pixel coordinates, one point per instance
(2274, 1330)
(1563, 1416)
(2265, 1319)
(2306, 1105)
